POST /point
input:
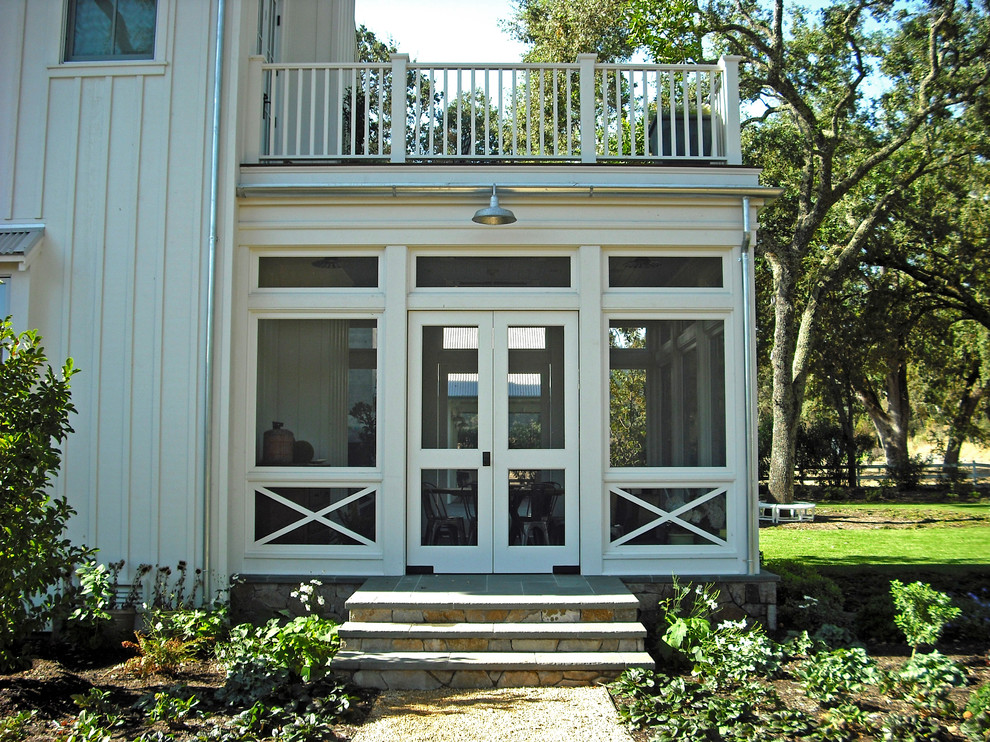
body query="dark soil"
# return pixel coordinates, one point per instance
(49, 685)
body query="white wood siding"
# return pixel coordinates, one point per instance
(114, 160)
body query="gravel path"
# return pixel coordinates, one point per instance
(506, 715)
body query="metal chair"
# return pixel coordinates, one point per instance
(540, 519)
(439, 525)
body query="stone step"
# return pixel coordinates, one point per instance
(493, 637)
(498, 612)
(430, 670)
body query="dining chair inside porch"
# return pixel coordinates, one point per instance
(440, 525)
(538, 521)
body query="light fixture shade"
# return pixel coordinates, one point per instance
(494, 214)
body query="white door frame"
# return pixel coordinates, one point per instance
(491, 551)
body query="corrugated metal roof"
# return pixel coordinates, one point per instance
(17, 240)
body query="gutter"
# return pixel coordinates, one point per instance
(750, 439)
(211, 296)
(248, 190)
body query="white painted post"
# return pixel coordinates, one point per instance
(400, 64)
(255, 111)
(586, 83)
(730, 116)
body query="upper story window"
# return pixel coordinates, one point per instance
(110, 30)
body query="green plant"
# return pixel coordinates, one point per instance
(160, 654)
(926, 672)
(91, 727)
(35, 555)
(834, 677)
(14, 728)
(259, 659)
(806, 599)
(922, 612)
(910, 728)
(687, 614)
(173, 706)
(733, 652)
(976, 717)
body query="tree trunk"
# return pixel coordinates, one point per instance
(891, 423)
(968, 405)
(786, 406)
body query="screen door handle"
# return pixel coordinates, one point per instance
(486, 458)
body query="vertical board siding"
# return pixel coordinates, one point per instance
(116, 165)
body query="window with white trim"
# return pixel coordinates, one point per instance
(99, 30)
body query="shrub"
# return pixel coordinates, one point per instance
(834, 677)
(34, 553)
(922, 612)
(976, 719)
(260, 659)
(806, 599)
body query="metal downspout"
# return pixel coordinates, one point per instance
(210, 296)
(749, 377)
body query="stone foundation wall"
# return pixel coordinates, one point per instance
(258, 598)
(745, 596)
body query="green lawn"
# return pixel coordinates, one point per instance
(918, 546)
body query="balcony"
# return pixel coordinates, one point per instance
(409, 112)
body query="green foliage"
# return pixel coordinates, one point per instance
(922, 612)
(34, 552)
(174, 706)
(260, 659)
(910, 728)
(807, 599)
(14, 728)
(687, 615)
(160, 653)
(976, 723)
(834, 677)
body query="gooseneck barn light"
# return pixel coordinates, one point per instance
(494, 214)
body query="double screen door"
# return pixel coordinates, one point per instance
(493, 441)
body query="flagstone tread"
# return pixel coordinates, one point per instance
(452, 661)
(466, 630)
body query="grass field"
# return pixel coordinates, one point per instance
(872, 533)
(918, 546)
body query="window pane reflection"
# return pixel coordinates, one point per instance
(450, 387)
(536, 387)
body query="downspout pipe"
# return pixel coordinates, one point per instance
(211, 296)
(750, 439)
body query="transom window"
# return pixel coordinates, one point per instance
(493, 272)
(110, 29)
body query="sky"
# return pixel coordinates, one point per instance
(442, 30)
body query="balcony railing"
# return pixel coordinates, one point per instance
(412, 112)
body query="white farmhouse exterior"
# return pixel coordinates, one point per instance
(228, 223)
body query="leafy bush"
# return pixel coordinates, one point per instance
(922, 612)
(976, 719)
(733, 652)
(687, 614)
(34, 553)
(806, 599)
(173, 706)
(834, 677)
(259, 659)
(14, 728)
(160, 653)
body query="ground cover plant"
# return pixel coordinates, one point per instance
(738, 684)
(189, 676)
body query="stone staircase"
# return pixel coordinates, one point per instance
(488, 631)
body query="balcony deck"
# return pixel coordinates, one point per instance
(410, 112)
